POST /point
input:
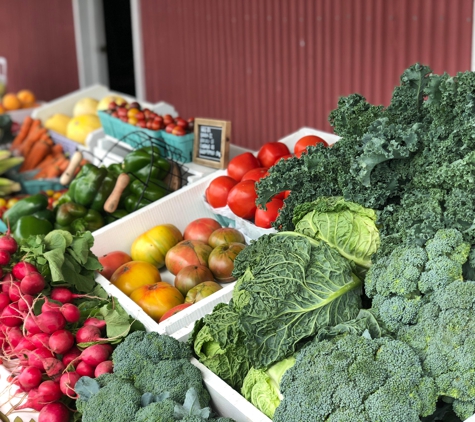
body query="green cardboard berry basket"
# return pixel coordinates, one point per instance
(179, 148)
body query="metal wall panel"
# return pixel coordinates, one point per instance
(37, 39)
(273, 66)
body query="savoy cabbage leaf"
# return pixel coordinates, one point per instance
(291, 286)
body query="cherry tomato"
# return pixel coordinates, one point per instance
(242, 199)
(271, 152)
(309, 140)
(218, 190)
(265, 218)
(255, 174)
(241, 164)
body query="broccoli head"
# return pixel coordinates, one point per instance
(116, 401)
(175, 377)
(141, 348)
(162, 411)
(434, 314)
(377, 379)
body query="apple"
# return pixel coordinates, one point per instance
(155, 125)
(158, 118)
(141, 123)
(115, 114)
(112, 105)
(181, 122)
(124, 119)
(169, 127)
(135, 104)
(122, 111)
(140, 115)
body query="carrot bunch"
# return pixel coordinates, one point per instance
(34, 143)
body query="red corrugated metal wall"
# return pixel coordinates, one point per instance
(37, 39)
(273, 66)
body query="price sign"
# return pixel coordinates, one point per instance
(212, 140)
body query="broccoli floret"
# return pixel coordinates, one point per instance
(173, 376)
(376, 379)
(162, 411)
(140, 348)
(117, 401)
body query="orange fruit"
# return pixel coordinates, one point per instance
(26, 97)
(11, 102)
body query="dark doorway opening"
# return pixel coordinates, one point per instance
(120, 55)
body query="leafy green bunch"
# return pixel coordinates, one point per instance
(413, 161)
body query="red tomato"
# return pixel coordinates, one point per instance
(174, 311)
(111, 261)
(265, 218)
(241, 164)
(271, 152)
(218, 190)
(242, 199)
(255, 174)
(286, 193)
(309, 140)
(285, 157)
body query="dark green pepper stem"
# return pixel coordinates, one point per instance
(25, 206)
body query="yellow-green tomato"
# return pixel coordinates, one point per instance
(153, 245)
(201, 291)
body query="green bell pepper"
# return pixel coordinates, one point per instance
(29, 225)
(91, 187)
(77, 218)
(141, 194)
(116, 215)
(146, 163)
(24, 207)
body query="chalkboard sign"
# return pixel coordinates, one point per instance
(211, 145)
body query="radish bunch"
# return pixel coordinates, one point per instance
(42, 351)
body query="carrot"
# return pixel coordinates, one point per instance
(57, 149)
(33, 136)
(37, 153)
(49, 172)
(23, 132)
(63, 165)
(48, 160)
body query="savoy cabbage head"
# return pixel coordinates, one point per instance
(290, 286)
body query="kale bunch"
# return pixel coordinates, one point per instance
(413, 162)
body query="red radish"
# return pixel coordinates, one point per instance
(7, 242)
(14, 292)
(87, 334)
(67, 382)
(71, 356)
(4, 257)
(49, 306)
(106, 367)
(50, 391)
(32, 284)
(31, 324)
(95, 354)
(22, 268)
(34, 401)
(1, 272)
(85, 370)
(54, 412)
(25, 344)
(50, 321)
(11, 316)
(96, 322)
(53, 367)
(36, 357)
(40, 339)
(6, 282)
(4, 301)
(14, 335)
(25, 303)
(71, 313)
(61, 341)
(64, 295)
(30, 377)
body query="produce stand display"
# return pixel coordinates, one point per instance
(322, 257)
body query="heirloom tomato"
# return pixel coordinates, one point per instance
(134, 274)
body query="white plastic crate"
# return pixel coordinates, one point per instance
(178, 208)
(225, 400)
